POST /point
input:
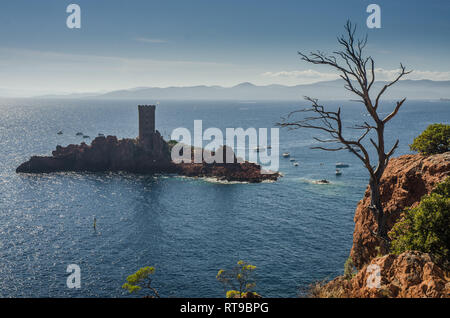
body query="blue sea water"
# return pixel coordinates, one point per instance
(293, 230)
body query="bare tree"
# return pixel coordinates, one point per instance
(358, 72)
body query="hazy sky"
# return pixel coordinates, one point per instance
(124, 44)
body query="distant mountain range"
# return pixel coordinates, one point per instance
(328, 90)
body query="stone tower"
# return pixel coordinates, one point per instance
(146, 122)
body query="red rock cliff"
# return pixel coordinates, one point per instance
(408, 275)
(405, 180)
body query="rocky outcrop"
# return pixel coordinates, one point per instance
(232, 171)
(411, 274)
(130, 155)
(105, 154)
(406, 179)
(240, 172)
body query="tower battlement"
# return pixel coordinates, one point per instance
(146, 122)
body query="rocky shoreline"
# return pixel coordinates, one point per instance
(131, 155)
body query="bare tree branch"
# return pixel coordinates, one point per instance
(358, 73)
(395, 111)
(402, 73)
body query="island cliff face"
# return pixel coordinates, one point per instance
(105, 154)
(238, 172)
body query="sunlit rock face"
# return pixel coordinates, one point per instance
(406, 179)
(409, 275)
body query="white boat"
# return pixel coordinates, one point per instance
(286, 154)
(292, 159)
(295, 164)
(338, 172)
(341, 165)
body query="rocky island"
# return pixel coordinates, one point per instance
(149, 153)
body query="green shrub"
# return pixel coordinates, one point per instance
(172, 143)
(443, 188)
(426, 228)
(239, 279)
(141, 279)
(324, 289)
(434, 139)
(349, 269)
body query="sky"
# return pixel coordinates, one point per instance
(146, 43)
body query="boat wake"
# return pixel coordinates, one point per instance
(315, 181)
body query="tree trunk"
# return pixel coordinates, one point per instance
(380, 216)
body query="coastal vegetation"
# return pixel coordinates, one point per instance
(320, 289)
(349, 268)
(240, 279)
(142, 279)
(238, 282)
(426, 228)
(435, 139)
(171, 143)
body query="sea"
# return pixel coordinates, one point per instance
(294, 231)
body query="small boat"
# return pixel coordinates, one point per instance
(286, 154)
(292, 159)
(86, 136)
(342, 165)
(323, 181)
(295, 164)
(338, 172)
(60, 132)
(258, 149)
(79, 134)
(101, 135)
